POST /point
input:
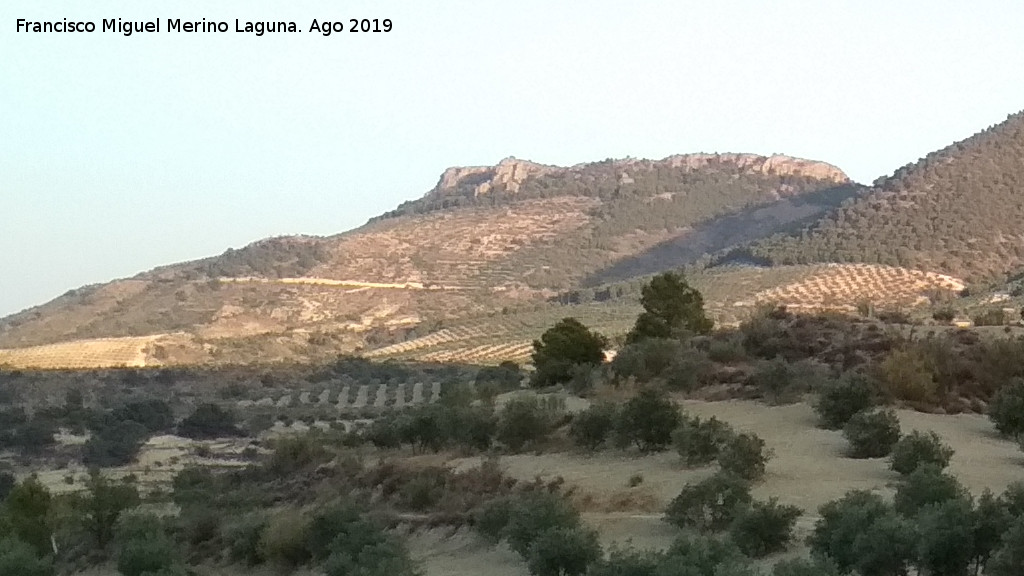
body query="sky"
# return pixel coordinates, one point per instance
(119, 154)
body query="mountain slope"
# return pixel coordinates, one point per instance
(959, 210)
(484, 238)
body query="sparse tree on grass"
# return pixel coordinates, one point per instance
(919, 448)
(744, 455)
(563, 552)
(522, 423)
(710, 504)
(647, 420)
(533, 515)
(591, 427)
(1007, 408)
(699, 442)
(872, 433)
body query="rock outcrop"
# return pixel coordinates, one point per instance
(509, 174)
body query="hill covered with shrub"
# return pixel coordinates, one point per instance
(958, 211)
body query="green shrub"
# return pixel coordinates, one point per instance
(293, 454)
(872, 433)
(699, 442)
(115, 444)
(764, 527)
(209, 421)
(919, 448)
(243, 539)
(840, 399)
(744, 455)
(285, 539)
(144, 548)
(647, 359)
(19, 559)
(563, 551)
(492, 519)
(522, 423)
(383, 433)
(710, 504)
(384, 558)
(647, 420)
(154, 415)
(591, 427)
(777, 382)
(535, 513)
(819, 566)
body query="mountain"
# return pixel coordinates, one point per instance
(958, 210)
(482, 240)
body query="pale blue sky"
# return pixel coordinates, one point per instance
(120, 154)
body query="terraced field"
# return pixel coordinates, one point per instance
(842, 286)
(730, 293)
(84, 354)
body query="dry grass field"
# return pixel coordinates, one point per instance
(809, 469)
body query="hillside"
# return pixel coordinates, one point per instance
(958, 211)
(483, 239)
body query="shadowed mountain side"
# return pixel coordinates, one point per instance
(720, 233)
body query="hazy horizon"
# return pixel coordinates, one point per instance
(126, 153)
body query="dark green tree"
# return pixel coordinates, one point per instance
(842, 521)
(927, 484)
(562, 349)
(1007, 408)
(671, 308)
(946, 540)
(1008, 559)
(764, 527)
(990, 521)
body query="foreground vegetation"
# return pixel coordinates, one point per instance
(342, 497)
